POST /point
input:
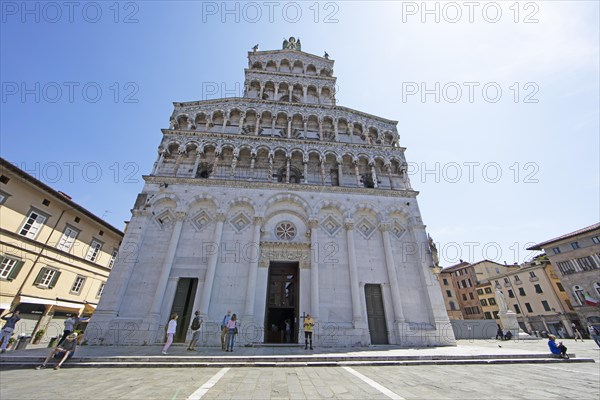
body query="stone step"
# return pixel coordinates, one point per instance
(220, 362)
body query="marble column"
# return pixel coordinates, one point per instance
(212, 265)
(340, 171)
(357, 173)
(354, 285)
(320, 129)
(262, 90)
(233, 166)
(241, 124)
(305, 90)
(166, 267)
(270, 177)
(287, 170)
(252, 272)
(305, 162)
(335, 127)
(224, 125)
(323, 171)
(273, 120)
(374, 176)
(314, 268)
(257, 126)
(289, 129)
(213, 173)
(196, 163)
(252, 164)
(161, 158)
(392, 275)
(388, 169)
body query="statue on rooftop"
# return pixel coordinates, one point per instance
(291, 44)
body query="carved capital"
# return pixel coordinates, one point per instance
(220, 217)
(349, 224)
(313, 223)
(180, 215)
(385, 226)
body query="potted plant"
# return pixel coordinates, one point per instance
(38, 336)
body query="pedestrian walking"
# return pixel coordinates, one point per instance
(309, 324)
(499, 333)
(8, 328)
(69, 328)
(226, 319)
(232, 330)
(171, 329)
(594, 334)
(62, 352)
(195, 327)
(557, 348)
(576, 332)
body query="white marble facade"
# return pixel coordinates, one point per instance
(282, 174)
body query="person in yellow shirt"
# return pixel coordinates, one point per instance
(309, 324)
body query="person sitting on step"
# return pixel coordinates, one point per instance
(559, 348)
(63, 351)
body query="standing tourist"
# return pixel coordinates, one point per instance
(226, 319)
(9, 327)
(195, 327)
(171, 329)
(309, 324)
(232, 330)
(69, 328)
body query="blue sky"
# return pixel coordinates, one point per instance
(541, 133)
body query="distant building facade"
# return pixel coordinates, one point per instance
(55, 256)
(535, 293)
(575, 258)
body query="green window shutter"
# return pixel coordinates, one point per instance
(54, 279)
(39, 276)
(15, 271)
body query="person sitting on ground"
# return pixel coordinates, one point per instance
(559, 348)
(508, 335)
(62, 351)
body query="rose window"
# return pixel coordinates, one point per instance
(285, 231)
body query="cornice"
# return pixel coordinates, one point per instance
(281, 104)
(255, 140)
(153, 179)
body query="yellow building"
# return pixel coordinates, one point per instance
(55, 255)
(535, 293)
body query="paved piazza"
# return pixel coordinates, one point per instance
(507, 381)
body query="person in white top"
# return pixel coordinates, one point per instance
(231, 332)
(171, 328)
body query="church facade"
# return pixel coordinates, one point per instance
(277, 205)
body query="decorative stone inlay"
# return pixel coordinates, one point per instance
(165, 218)
(240, 221)
(285, 231)
(365, 227)
(331, 225)
(397, 230)
(201, 220)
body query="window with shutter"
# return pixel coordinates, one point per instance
(9, 268)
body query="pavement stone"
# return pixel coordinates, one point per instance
(509, 381)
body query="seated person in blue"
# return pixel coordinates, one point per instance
(63, 351)
(559, 348)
